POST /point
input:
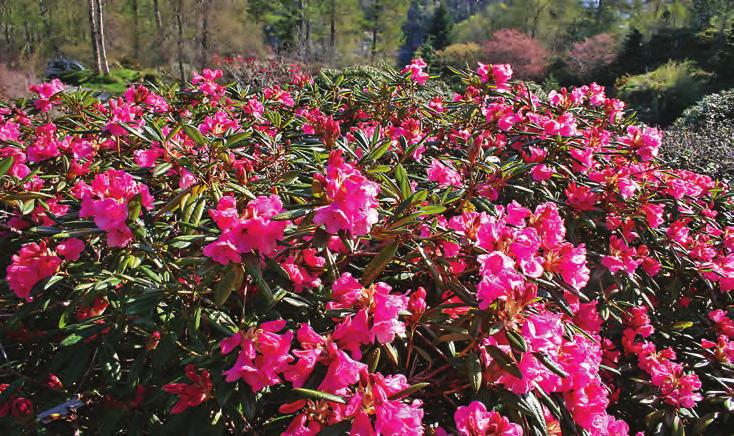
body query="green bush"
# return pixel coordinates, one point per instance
(114, 83)
(703, 137)
(661, 95)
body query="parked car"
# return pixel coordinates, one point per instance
(58, 67)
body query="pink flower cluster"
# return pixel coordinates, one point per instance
(47, 94)
(676, 387)
(523, 245)
(415, 69)
(500, 74)
(475, 420)
(352, 198)
(190, 395)
(35, 261)
(107, 199)
(266, 359)
(376, 317)
(253, 230)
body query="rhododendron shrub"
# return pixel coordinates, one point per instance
(316, 256)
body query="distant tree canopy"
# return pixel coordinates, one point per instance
(570, 41)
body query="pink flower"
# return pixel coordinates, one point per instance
(621, 257)
(587, 404)
(190, 395)
(415, 68)
(475, 420)
(653, 214)
(71, 248)
(541, 173)
(499, 73)
(570, 263)
(264, 355)
(645, 141)
(255, 230)
(147, 158)
(222, 251)
(443, 174)
(580, 197)
(46, 92)
(352, 199)
(31, 264)
(107, 201)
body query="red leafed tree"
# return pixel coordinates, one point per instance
(527, 55)
(591, 54)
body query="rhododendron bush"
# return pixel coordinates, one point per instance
(319, 257)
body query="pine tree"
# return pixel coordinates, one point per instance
(439, 32)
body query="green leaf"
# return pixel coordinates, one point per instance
(291, 214)
(545, 360)
(71, 340)
(474, 368)
(252, 265)
(402, 177)
(5, 165)
(134, 206)
(194, 134)
(504, 360)
(379, 262)
(410, 390)
(517, 342)
(231, 281)
(319, 395)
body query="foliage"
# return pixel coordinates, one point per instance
(661, 95)
(440, 29)
(357, 253)
(461, 54)
(703, 137)
(526, 55)
(587, 57)
(115, 83)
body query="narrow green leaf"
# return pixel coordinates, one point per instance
(231, 281)
(410, 390)
(252, 264)
(379, 262)
(402, 177)
(504, 360)
(194, 134)
(319, 395)
(5, 165)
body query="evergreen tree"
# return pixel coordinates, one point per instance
(440, 29)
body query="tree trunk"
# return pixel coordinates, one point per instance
(43, 10)
(105, 67)
(376, 14)
(91, 9)
(27, 33)
(302, 30)
(179, 24)
(159, 31)
(205, 4)
(332, 29)
(157, 16)
(136, 30)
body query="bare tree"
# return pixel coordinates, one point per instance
(100, 37)
(157, 16)
(136, 30)
(204, 38)
(179, 24)
(332, 28)
(43, 11)
(91, 9)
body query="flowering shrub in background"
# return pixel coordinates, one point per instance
(312, 256)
